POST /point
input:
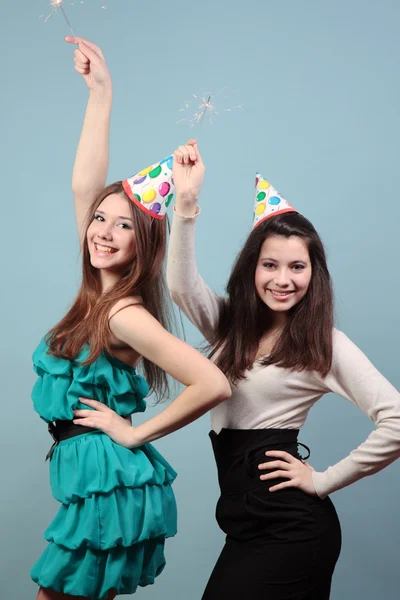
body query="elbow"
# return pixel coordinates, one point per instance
(221, 390)
(175, 296)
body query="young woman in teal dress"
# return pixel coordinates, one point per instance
(117, 505)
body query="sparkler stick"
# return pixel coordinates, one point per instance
(65, 17)
(55, 5)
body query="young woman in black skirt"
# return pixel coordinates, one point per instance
(273, 336)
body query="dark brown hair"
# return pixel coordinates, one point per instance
(306, 340)
(86, 323)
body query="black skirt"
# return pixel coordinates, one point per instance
(279, 545)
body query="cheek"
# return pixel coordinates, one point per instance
(257, 279)
(90, 232)
(129, 246)
(303, 282)
(260, 280)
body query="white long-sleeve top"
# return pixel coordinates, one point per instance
(274, 397)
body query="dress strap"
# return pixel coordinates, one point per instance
(123, 308)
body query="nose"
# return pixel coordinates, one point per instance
(105, 231)
(282, 278)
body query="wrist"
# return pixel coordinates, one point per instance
(101, 95)
(137, 437)
(186, 205)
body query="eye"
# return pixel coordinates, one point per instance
(124, 226)
(298, 268)
(268, 265)
(98, 218)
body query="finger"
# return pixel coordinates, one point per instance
(89, 53)
(185, 154)
(190, 144)
(83, 412)
(80, 40)
(93, 47)
(275, 464)
(71, 39)
(80, 57)
(191, 152)
(82, 64)
(282, 486)
(281, 454)
(86, 423)
(82, 71)
(276, 475)
(199, 159)
(178, 157)
(96, 404)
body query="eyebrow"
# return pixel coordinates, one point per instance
(125, 218)
(303, 262)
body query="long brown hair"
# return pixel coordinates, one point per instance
(86, 323)
(306, 339)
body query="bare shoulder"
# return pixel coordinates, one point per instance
(124, 303)
(130, 319)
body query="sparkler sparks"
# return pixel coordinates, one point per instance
(205, 105)
(55, 6)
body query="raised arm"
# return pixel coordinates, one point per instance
(91, 162)
(187, 288)
(205, 385)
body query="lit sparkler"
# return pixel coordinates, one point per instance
(55, 6)
(205, 104)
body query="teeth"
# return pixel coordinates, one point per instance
(103, 249)
(280, 293)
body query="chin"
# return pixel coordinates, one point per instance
(279, 307)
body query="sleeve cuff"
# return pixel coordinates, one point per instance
(318, 484)
(184, 217)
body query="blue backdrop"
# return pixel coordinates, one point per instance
(320, 90)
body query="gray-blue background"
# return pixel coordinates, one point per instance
(319, 82)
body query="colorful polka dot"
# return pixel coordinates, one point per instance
(164, 188)
(145, 171)
(156, 207)
(260, 208)
(264, 185)
(274, 200)
(149, 196)
(155, 172)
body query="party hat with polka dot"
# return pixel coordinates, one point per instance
(153, 188)
(268, 201)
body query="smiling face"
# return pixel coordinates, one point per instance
(110, 236)
(283, 272)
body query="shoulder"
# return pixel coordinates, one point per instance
(128, 319)
(347, 355)
(124, 303)
(342, 343)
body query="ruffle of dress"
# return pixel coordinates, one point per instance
(92, 463)
(94, 573)
(61, 382)
(122, 517)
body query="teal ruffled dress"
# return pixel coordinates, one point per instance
(117, 504)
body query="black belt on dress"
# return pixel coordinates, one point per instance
(63, 430)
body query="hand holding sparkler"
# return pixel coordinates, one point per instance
(188, 171)
(90, 63)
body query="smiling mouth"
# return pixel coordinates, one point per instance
(105, 249)
(278, 294)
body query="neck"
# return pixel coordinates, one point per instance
(108, 280)
(278, 320)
